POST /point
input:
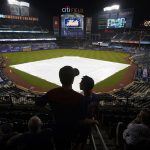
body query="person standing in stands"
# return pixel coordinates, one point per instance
(66, 106)
(91, 101)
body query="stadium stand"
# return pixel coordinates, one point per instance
(120, 105)
(17, 105)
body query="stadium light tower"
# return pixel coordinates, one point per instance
(110, 8)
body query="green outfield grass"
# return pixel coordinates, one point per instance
(24, 57)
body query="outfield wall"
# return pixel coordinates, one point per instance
(4, 48)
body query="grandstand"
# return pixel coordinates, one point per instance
(24, 34)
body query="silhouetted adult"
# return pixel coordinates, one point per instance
(36, 138)
(66, 105)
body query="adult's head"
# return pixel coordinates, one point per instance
(87, 83)
(67, 74)
(34, 124)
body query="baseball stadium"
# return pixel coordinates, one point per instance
(104, 46)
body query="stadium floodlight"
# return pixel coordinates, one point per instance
(21, 3)
(113, 7)
(13, 2)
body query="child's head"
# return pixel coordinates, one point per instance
(87, 83)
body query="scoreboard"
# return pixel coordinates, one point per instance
(72, 25)
(115, 19)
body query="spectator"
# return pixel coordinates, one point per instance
(92, 99)
(139, 72)
(35, 138)
(91, 106)
(66, 106)
(145, 74)
(137, 134)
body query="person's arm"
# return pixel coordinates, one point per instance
(42, 101)
(96, 97)
(84, 119)
(89, 121)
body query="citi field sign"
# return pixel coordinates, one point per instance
(68, 9)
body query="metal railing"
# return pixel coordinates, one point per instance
(102, 142)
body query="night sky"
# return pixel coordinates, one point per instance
(45, 9)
